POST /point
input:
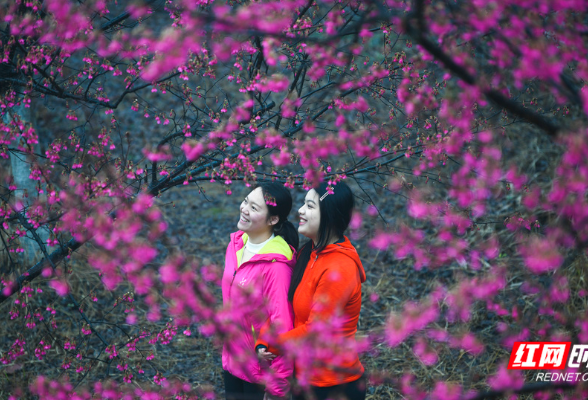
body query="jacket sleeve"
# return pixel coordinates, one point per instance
(333, 291)
(280, 320)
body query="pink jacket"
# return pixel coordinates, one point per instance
(258, 294)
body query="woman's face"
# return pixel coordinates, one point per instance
(253, 214)
(310, 216)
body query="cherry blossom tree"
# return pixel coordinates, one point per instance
(417, 99)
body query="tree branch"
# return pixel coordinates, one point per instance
(418, 34)
(120, 18)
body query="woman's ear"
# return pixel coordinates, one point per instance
(274, 220)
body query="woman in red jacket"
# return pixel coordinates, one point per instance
(326, 297)
(258, 267)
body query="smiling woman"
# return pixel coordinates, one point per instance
(258, 267)
(310, 216)
(325, 287)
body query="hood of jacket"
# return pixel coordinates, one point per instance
(343, 249)
(276, 249)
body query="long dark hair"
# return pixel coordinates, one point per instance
(335, 209)
(279, 202)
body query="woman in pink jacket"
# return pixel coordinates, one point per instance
(258, 268)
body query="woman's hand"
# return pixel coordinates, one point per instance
(265, 355)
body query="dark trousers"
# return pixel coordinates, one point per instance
(354, 390)
(238, 389)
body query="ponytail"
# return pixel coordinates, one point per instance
(288, 232)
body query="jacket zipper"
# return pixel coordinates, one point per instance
(315, 258)
(231, 285)
(231, 289)
(233, 278)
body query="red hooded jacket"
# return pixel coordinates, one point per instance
(329, 290)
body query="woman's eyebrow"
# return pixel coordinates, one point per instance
(253, 203)
(310, 201)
